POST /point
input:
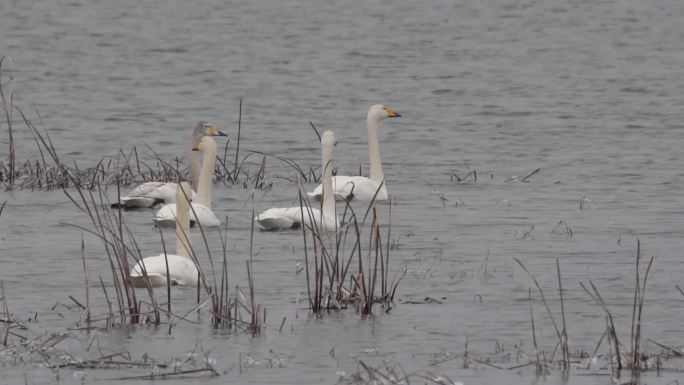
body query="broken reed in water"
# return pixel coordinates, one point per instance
(619, 356)
(45, 350)
(50, 172)
(126, 170)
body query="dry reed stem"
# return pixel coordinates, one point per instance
(237, 147)
(7, 107)
(8, 316)
(561, 338)
(639, 295)
(220, 301)
(109, 303)
(670, 349)
(393, 374)
(534, 334)
(255, 324)
(612, 334)
(598, 345)
(316, 131)
(634, 356)
(166, 264)
(172, 375)
(87, 283)
(564, 335)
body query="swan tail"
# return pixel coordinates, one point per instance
(159, 280)
(155, 279)
(315, 195)
(132, 203)
(340, 195)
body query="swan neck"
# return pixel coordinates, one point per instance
(328, 197)
(376, 174)
(183, 219)
(206, 173)
(193, 158)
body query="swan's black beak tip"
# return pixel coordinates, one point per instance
(221, 133)
(396, 115)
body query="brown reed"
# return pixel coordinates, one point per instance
(635, 358)
(560, 332)
(125, 169)
(327, 286)
(392, 373)
(7, 97)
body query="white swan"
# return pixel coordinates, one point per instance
(150, 194)
(201, 206)
(291, 217)
(360, 187)
(181, 268)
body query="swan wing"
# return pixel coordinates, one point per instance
(341, 189)
(279, 218)
(284, 218)
(150, 194)
(275, 222)
(362, 189)
(352, 187)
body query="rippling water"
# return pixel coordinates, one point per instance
(590, 92)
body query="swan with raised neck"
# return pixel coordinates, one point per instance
(324, 220)
(174, 269)
(360, 187)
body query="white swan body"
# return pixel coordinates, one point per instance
(286, 218)
(150, 194)
(324, 220)
(182, 271)
(360, 187)
(179, 268)
(166, 216)
(354, 187)
(201, 206)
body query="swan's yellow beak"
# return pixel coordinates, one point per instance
(391, 114)
(214, 131)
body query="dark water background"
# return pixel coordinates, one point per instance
(590, 92)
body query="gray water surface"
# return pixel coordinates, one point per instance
(589, 92)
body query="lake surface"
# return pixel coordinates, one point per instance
(589, 92)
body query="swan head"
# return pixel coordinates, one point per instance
(379, 112)
(207, 129)
(204, 129)
(328, 139)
